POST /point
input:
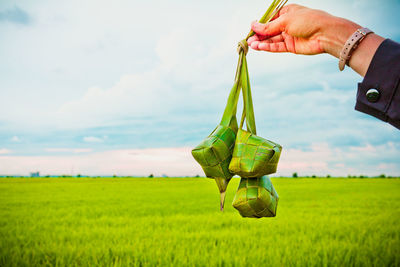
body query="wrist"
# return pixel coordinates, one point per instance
(335, 33)
(362, 56)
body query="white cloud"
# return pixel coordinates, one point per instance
(171, 161)
(321, 159)
(104, 69)
(134, 95)
(15, 139)
(129, 65)
(68, 150)
(94, 139)
(4, 151)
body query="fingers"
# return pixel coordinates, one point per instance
(254, 45)
(260, 36)
(272, 47)
(255, 40)
(289, 42)
(275, 39)
(274, 36)
(272, 28)
(274, 44)
(279, 43)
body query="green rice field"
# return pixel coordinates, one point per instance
(177, 222)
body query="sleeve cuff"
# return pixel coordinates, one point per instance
(383, 75)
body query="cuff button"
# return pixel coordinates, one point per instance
(373, 95)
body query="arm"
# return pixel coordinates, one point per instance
(300, 30)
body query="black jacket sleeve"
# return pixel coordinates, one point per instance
(383, 75)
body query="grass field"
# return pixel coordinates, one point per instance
(174, 222)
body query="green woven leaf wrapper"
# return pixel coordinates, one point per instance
(215, 152)
(256, 198)
(254, 156)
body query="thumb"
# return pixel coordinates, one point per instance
(272, 28)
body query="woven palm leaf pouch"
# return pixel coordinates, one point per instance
(214, 153)
(253, 156)
(256, 198)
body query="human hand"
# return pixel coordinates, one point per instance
(302, 30)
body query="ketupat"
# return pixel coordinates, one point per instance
(253, 156)
(256, 198)
(214, 154)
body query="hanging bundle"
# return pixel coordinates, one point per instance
(228, 150)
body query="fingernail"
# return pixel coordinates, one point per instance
(262, 46)
(254, 45)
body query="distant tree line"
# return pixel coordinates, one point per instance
(295, 175)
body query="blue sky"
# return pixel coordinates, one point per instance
(93, 88)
